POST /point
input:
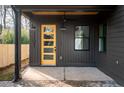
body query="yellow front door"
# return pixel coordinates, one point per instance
(48, 44)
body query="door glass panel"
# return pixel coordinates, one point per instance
(48, 43)
(48, 57)
(48, 29)
(46, 36)
(48, 50)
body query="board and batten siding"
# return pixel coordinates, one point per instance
(72, 57)
(65, 41)
(112, 61)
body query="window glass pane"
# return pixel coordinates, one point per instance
(101, 44)
(48, 29)
(102, 37)
(82, 38)
(82, 31)
(48, 36)
(101, 33)
(78, 43)
(104, 30)
(48, 50)
(48, 43)
(81, 43)
(85, 43)
(48, 57)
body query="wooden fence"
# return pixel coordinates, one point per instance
(7, 54)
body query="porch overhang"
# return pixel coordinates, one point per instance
(65, 8)
(29, 10)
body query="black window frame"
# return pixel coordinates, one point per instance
(103, 38)
(85, 37)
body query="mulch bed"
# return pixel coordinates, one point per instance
(6, 73)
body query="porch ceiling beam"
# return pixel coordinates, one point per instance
(64, 13)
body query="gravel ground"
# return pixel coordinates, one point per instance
(59, 84)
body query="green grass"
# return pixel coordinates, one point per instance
(7, 73)
(7, 76)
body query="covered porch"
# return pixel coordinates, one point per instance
(67, 60)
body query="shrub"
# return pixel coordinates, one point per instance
(24, 37)
(7, 37)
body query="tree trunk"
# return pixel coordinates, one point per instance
(0, 28)
(4, 17)
(1, 18)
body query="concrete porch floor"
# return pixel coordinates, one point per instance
(65, 73)
(62, 77)
(66, 77)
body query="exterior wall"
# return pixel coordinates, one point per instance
(34, 56)
(72, 57)
(65, 41)
(107, 61)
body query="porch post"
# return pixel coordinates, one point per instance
(17, 75)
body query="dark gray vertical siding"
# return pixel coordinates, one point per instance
(31, 54)
(77, 58)
(65, 41)
(115, 46)
(34, 46)
(38, 45)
